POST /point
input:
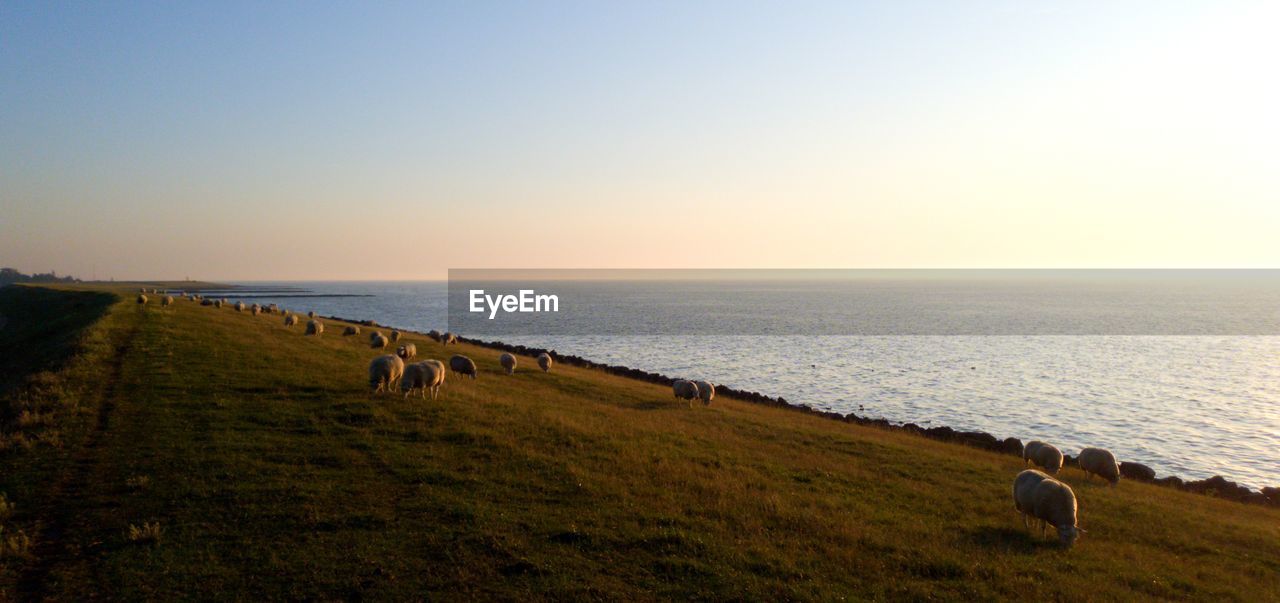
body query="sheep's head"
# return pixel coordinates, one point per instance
(1068, 535)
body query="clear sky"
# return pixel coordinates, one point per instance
(267, 140)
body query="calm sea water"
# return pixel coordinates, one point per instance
(1187, 405)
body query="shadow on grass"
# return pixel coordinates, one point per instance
(1012, 539)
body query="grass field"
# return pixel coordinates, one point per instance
(212, 454)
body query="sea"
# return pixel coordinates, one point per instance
(1183, 378)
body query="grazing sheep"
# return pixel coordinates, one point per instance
(685, 390)
(384, 372)
(706, 391)
(1046, 456)
(395, 336)
(462, 365)
(239, 306)
(217, 303)
(378, 342)
(1100, 462)
(508, 361)
(545, 362)
(434, 334)
(311, 314)
(373, 335)
(272, 309)
(142, 299)
(407, 351)
(314, 327)
(255, 309)
(449, 338)
(206, 302)
(1038, 496)
(166, 301)
(427, 375)
(291, 320)
(351, 330)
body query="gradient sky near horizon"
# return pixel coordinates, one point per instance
(313, 140)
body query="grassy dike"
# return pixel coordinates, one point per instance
(272, 474)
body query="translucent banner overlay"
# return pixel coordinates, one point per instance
(497, 302)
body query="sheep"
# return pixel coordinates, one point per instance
(685, 390)
(449, 338)
(255, 309)
(142, 299)
(314, 327)
(206, 302)
(545, 362)
(385, 372)
(427, 375)
(239, 306)
(508, 361)
(706, 391)
(351, 330)
(311, 314)
(372, 335)
(291, 320)
(462, 365)
(434, 334)
(407, 351)
(273, 308)
(217, 303)
(1038, 496)
(166, 301)
(1047, 457)
(1100, 462)
(395, 336)
(378, 342)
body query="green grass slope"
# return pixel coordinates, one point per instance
(271, 473)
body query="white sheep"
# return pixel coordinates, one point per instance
(545, 362)
(407, 351)
(291, 320)
(385, 372)
(314, 327)
(378, 342)
(1100, 462)
(462, 365)
(427, 375)
(395, 336)
(706, 391)
(1038, 496)
(255, 309)
(1046, 456)
(217, 303)
(142, 299)
(508, 361)
(449, 338)
(166, 301)
(239, 306)
(351, 330)
(685, 390)
(373, 335)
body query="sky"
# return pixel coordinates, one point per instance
(324, 140)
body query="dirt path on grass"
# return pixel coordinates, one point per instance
(52, 542)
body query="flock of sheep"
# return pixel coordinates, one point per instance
(1037, 495)
(1040, 497)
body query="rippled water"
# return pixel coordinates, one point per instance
(1193, 406)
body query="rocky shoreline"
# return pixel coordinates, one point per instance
(1217, 485)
